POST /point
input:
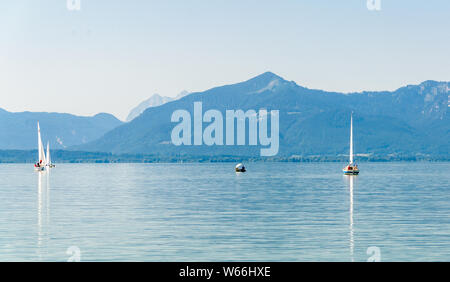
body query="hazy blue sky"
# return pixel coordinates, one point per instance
(111, 55)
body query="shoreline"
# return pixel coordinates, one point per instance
(62, 156)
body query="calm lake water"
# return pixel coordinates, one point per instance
(207, 212)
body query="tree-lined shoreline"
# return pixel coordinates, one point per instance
(64, 156)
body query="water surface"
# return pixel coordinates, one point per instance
(206, 212)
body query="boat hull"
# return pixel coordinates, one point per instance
(351, 172)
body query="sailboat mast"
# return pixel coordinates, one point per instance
(351, 139)
(39, 142)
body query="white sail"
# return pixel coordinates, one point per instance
(41, 148)
(351, 168)
(351, 139)
(49, 162)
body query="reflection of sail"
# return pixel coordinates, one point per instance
(39, 213)
(352, 243)
(43, 213)
(350, 179)
(47, 203)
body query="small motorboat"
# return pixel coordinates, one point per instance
(240, 168)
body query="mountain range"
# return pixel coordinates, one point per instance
(154, 101)
(410, 120)
(19, 130)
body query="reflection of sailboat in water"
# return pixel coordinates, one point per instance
(43, 213)
(350, 179)
(39, 213)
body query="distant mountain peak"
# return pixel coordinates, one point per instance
(104, 115)
(156, 95)
(267, 76)
(431, 82)
(427, 83)
(154, 101)
(267, 81)
(433, 86)
(182, 94)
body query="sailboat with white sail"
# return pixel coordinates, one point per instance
(40, 165)
(48, 159)
(352, 167)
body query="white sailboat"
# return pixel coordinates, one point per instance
(48, 159)
(40, 165)
(351, 168)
